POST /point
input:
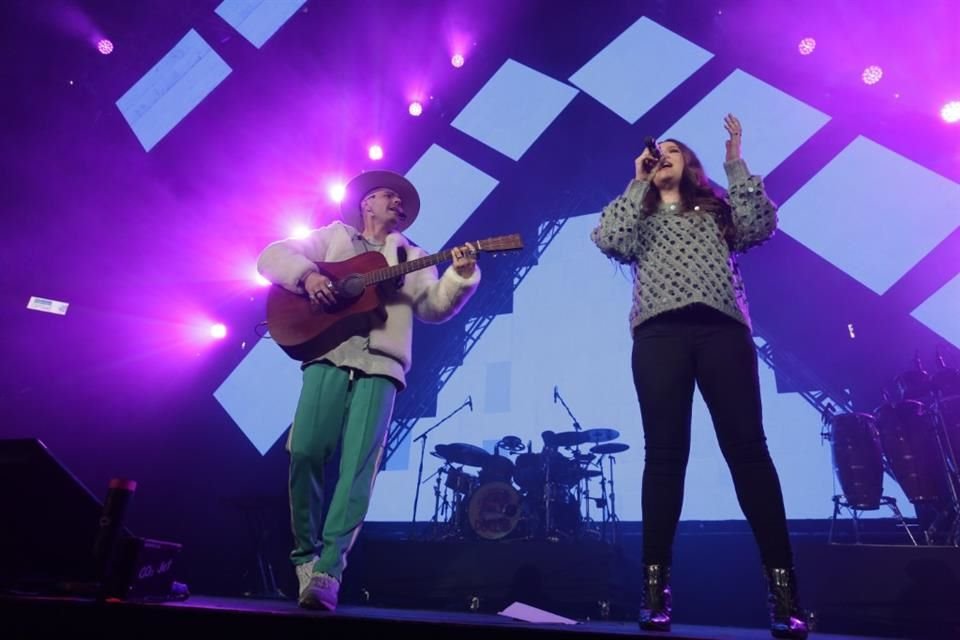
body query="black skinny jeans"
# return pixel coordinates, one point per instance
(671, 352)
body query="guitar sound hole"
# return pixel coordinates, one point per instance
(350, 287)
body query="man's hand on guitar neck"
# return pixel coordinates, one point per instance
(464, 260)
(320, 288)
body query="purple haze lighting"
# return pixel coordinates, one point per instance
(872, 74)
(806, 46)
(218, 331)
(337, 191)
(300, 232)
(951, 112)
(259, 279)
(104, 46)
(457, 60)
(415, 108)
(375, 152)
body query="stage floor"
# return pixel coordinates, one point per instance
(34, 617)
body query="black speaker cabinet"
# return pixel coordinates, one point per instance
(49, 529)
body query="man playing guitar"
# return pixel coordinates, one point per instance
(348, 392)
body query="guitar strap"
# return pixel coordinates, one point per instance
(401, 258)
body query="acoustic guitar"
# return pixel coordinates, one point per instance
(306, 329)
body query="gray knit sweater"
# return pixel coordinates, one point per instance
(679, 257)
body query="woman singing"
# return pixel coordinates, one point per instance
(691, 325)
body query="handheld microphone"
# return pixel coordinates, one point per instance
(470, 402)
(654, 148)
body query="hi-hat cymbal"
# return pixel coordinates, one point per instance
(610, 447)
(462, 453)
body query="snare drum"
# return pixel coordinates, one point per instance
(460, 481)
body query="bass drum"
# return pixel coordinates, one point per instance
(494, 510)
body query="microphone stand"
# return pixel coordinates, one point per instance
(576, 448)
(423, 445)
(576, 425)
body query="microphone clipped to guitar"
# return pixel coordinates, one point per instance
(306, 330)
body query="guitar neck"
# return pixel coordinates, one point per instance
(499, 243)
(391, 273)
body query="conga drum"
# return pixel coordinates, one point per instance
(858, 459)
(908, 437)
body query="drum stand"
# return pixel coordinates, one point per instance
(947, 454)
(449, 514)
(601, 503)
(840, 502)
(614, 518)
(607, 501)
(551, 491)
(549, 531)
(437, 491)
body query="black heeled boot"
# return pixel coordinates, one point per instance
(787, 619)
(656, 605)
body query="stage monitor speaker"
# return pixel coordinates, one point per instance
(51, 526)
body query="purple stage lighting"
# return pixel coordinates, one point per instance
(806, 46)
(218, 331)
(872, 74)
(104, 46)
(337, 191)
(415, 108)
(457, 60)
(375, 152)
(951, 112)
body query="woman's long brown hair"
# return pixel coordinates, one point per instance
(695, 190)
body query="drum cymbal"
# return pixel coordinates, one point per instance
(564, 438)
(549, 438)
(573, 438)
(610, 447)
(601, 435)
(462, 453)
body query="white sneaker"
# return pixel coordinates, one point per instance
(304, 573)
(318, 590)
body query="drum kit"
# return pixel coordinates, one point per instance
(518, 493)
(914, 436)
